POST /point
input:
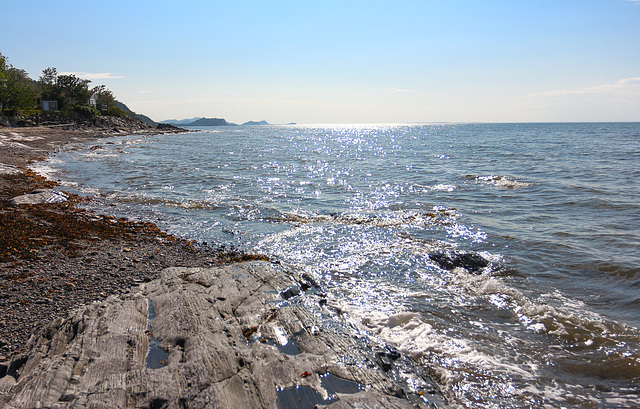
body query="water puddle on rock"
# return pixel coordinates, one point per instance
(156, 356)
(290, 348)
(304, 397)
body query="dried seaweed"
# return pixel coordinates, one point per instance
(26, 229)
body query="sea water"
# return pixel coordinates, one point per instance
(503, 258)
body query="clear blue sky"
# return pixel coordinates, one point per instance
(342, 61)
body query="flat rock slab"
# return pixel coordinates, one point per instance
(39, 196)
(9, 169)
(245, 335)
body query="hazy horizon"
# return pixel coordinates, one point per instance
(345, 124)
(344, 62)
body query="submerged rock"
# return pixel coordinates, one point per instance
(471, 262)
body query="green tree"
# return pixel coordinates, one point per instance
(16, 88)
(3, 65)
(3, 80)
(48, 77)
(103, 97)
(66, 89)
(73, 90)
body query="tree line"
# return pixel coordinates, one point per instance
(23, 96)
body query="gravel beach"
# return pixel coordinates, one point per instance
(56, 257)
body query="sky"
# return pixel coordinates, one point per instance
(342, 61)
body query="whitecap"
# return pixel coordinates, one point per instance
(508, 182)
(443, 188)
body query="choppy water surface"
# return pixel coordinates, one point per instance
(502, 257)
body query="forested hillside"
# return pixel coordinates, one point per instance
(55, 95)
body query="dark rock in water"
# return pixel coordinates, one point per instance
(40, 196)
(383, 361)
(393, 354)
(169, 127)
(290, 292)
(471, 262)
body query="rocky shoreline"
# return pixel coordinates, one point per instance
(56, 257)
(86, 298)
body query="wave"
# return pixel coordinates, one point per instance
(143, 200)
(570, 322)
(553, 341)
(437, 216)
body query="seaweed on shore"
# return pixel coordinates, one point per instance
(26, 229)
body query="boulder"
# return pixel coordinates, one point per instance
(40, 196)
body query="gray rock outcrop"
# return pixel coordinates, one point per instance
(8, 169)
(237, 337)
(40, 196)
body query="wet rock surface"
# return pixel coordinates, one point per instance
(211, 323)
(472, 262)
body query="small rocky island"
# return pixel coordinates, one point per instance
(209, 122)
(253, 123)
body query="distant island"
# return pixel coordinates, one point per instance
(209, 122)
(201, 121)
(180, 122)
(256, 123)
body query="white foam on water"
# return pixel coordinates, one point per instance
(443, 188)
(472, 376)
(508, 182)
(413, 336)
(404, 330)
(451, 359)
(462, 361)
(101, 154)
(568, 320)
(48, 169)
(86, 190)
